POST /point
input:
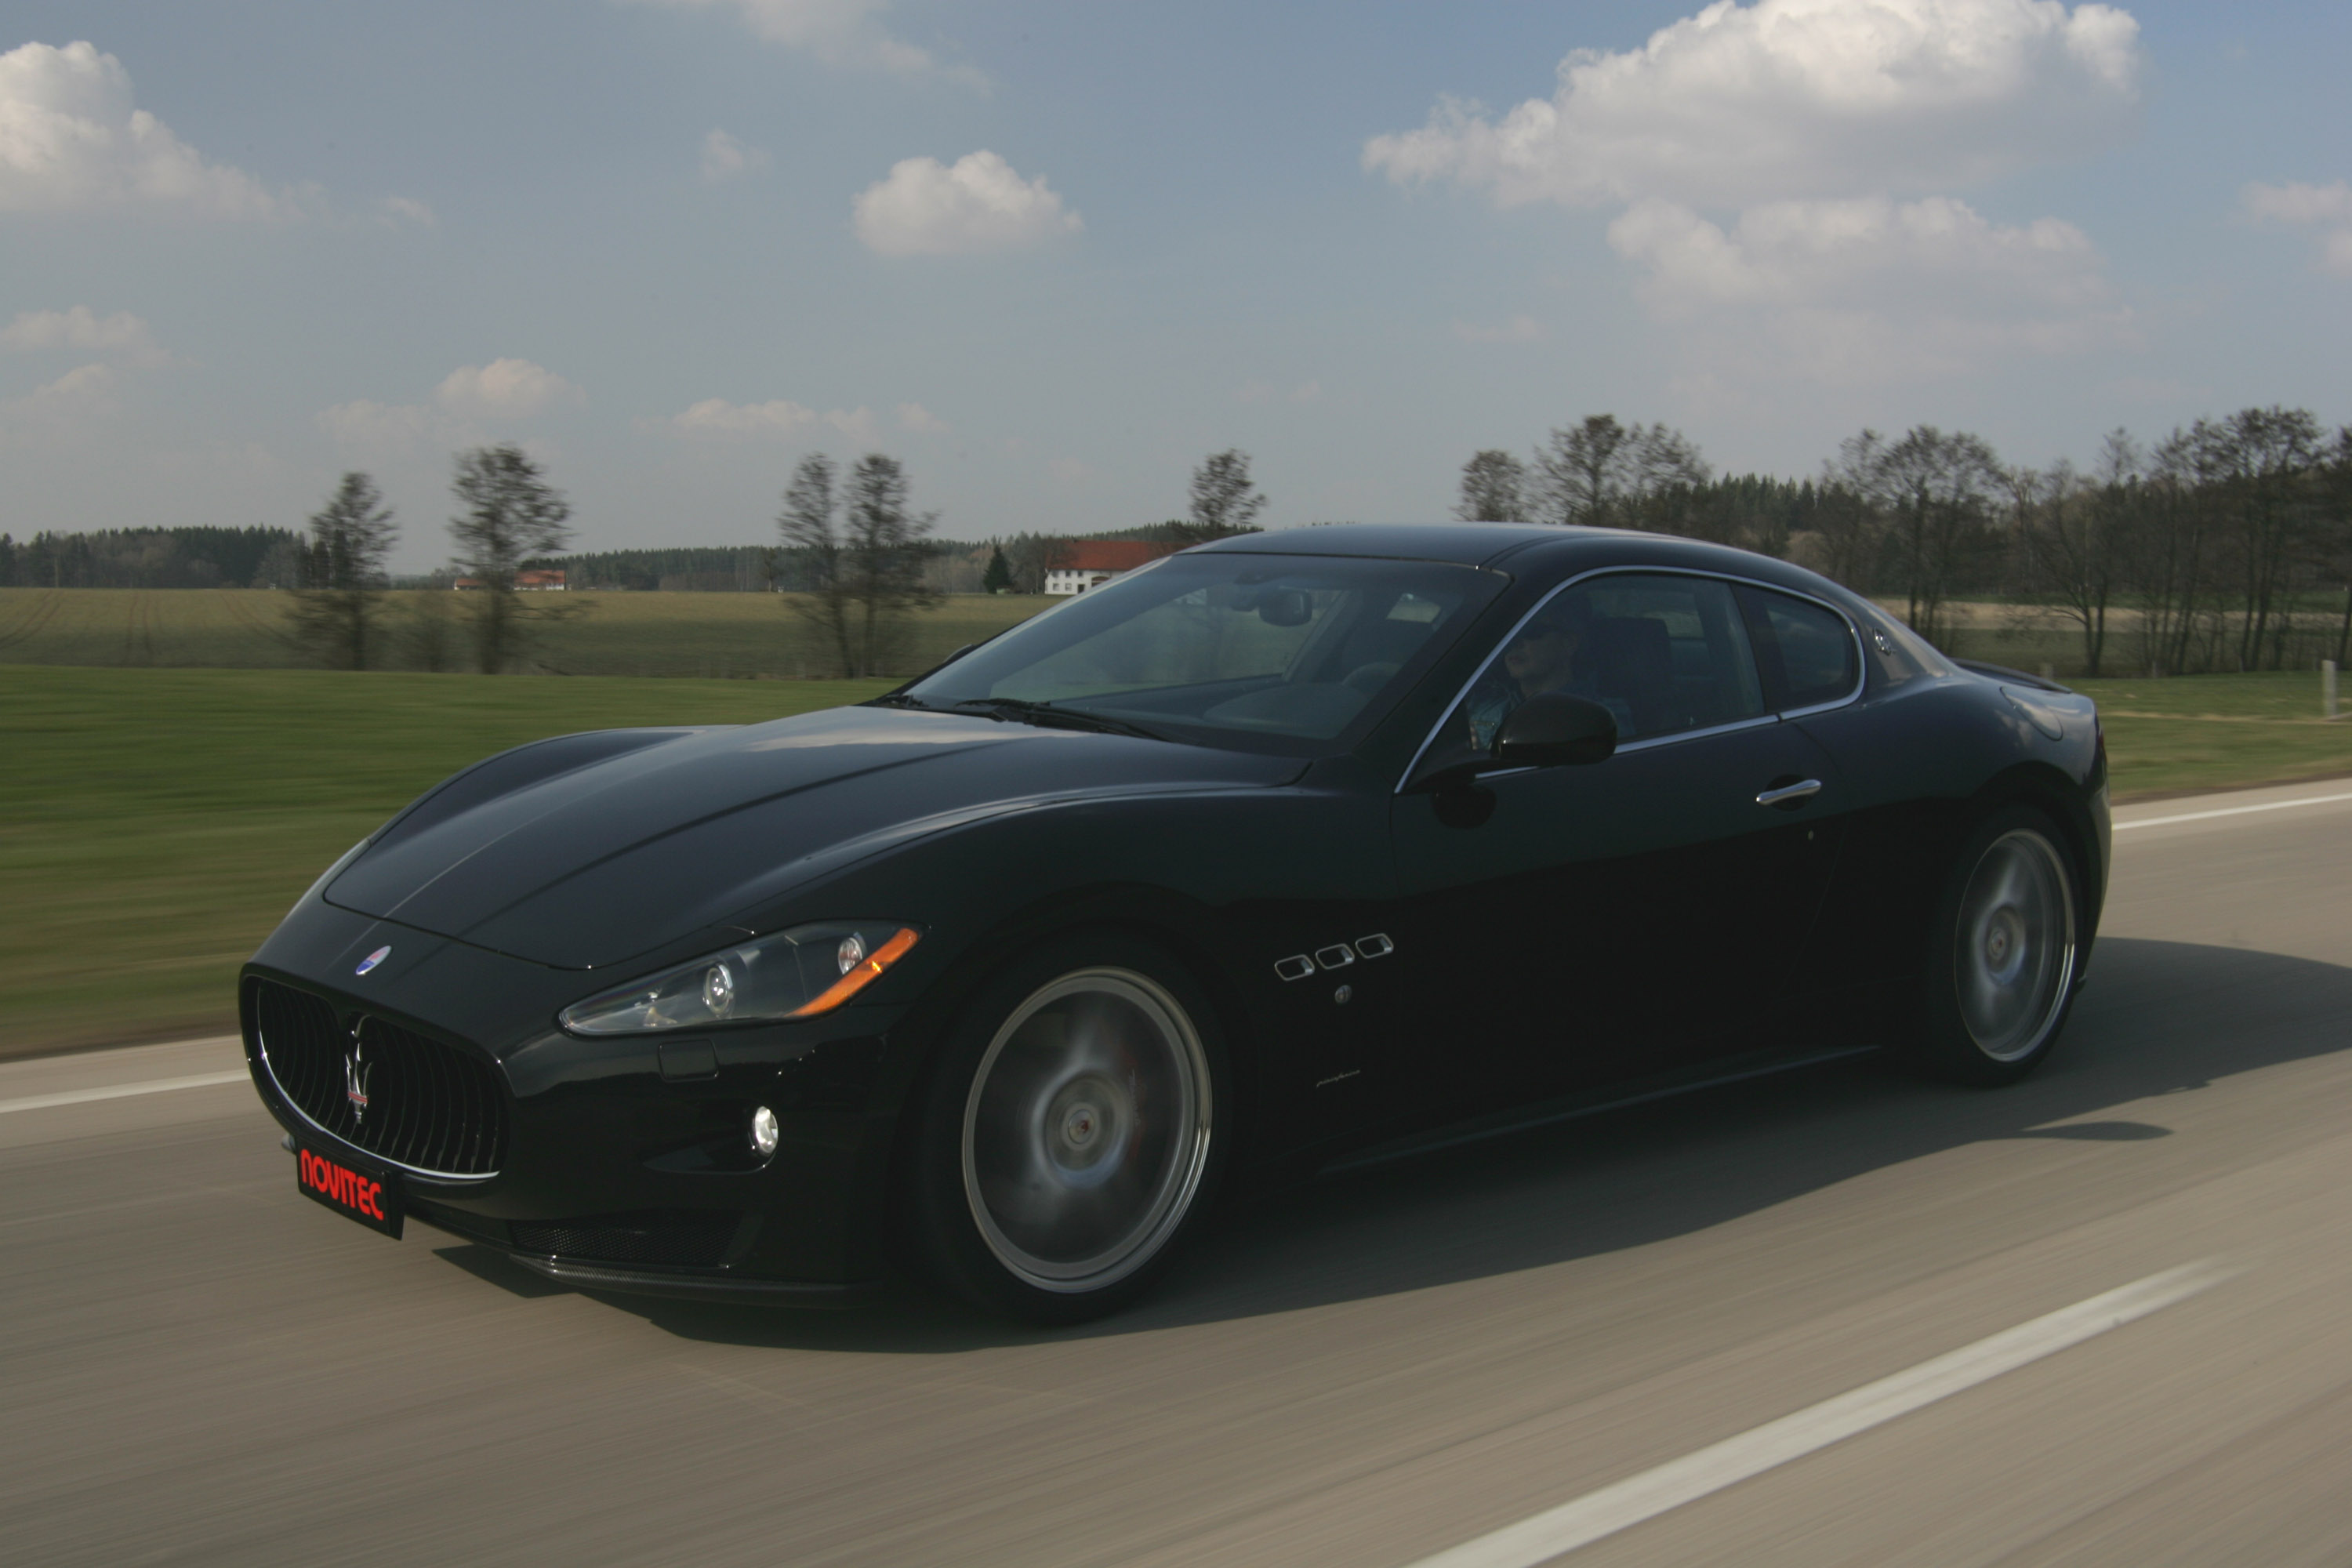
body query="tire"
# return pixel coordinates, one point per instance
(1071, 1131)
(2003, 953)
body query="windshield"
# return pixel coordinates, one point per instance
(1258, 651)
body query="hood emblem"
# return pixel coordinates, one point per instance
(373, 958)
(355, 1080)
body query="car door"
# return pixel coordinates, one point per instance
(1615, 918)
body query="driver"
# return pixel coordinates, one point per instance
(1539, 660)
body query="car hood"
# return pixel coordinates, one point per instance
(629, 840)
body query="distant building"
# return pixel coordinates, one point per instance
(539, 582)
(468, 585)
(1087, 564)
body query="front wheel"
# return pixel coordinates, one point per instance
(2002, 953)
(1070, 1133)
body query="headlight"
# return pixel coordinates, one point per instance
(797, 973)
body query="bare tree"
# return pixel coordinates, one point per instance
(1604, 473)
(1578, 475)
(2334, 552)
(2076, 532)
(335, 612)
(1224, 500)
(1493, 489)
(1934, 493)
(511, 514)
(883, 550)
(809, 526)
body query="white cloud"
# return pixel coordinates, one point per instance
(1868, 288)
(916, 417)
(121, 336)
(1068, 471)
(2309, 204)
(399, 429)
(1798, 98)
(777, 420)
(980, 204)
(839, 32)
(72, 138)
(2300, 204)
(81, 393)
(503, 389)
(1759, 154)
(397, 210)
(723, 158)
(1518, 330)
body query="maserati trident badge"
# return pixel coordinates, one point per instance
(373, 958)
(355, 1077)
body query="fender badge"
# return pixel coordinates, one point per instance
(373, 958)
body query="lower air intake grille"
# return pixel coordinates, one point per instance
(409, 1100)
(695, 1239)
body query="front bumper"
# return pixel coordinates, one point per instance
(615, 1168)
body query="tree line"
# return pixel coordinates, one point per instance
(2227, 545)
(151, 558)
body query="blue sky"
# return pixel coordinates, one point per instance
(1050, 255)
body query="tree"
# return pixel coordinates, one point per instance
(862, 553)
(1577, 474)
(1493, 489)
(1224, 500)
(998, 578)
(511, 514)
(885, 547)
(1602, 473)
(2076, 533)
(335, 612)
(808, 525)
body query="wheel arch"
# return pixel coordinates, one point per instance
(2048, 789)
(1169, 920)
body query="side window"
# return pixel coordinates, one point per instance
(1664, 654)
(1807, 651)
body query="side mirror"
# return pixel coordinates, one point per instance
(1555, 732)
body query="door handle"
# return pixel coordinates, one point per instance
(1793, 795)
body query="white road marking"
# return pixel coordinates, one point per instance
(2230, 811)
(1735, 1459)
(122, 1090)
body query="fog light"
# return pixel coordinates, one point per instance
(764, 1131)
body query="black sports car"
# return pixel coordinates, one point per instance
(1272, 850)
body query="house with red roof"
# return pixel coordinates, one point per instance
(1085, 563)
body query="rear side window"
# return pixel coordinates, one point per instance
(1806, 650)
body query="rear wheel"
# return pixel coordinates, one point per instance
(2002, 953)
(1069, 1134)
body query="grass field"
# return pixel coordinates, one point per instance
(155, 824)
(698, 635)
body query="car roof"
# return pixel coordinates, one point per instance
(1459, 543)
(1521, 547)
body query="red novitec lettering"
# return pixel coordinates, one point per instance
(346, 1187)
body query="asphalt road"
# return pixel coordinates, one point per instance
(197, 1365)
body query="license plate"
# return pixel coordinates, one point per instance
(354, 1189)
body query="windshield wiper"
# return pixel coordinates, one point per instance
(897, 699)
(1045, 716)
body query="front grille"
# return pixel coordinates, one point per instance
(695, 1239)
(429, 1106)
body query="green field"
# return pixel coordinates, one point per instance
(715, 636)
(155, 824)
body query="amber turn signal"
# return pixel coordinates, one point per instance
(859, 977)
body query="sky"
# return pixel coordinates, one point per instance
(1050, 254)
